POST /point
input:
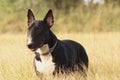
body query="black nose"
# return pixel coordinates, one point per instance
(30, 46)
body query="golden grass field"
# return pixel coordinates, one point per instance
(103, 49)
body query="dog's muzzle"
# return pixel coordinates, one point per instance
(31, 47)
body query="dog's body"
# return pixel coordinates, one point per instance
(53, 55)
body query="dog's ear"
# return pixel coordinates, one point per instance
(30, 16)
(49, 18)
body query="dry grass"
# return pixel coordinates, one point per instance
(103, 50)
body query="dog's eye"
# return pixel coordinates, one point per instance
(38, 31)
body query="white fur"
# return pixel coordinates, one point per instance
(43, 49)
(46, 66)
(29, 40)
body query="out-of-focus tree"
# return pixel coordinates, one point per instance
(113, 1)
(65, 5)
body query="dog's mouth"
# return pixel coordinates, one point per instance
(33, 49)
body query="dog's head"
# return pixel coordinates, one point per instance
(38, 30)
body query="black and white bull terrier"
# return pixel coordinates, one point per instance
(51, 54)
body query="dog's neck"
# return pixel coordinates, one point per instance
(48, 47)
(52, 39)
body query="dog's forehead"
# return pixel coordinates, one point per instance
(36, 23)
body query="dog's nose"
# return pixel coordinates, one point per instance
(30, 46)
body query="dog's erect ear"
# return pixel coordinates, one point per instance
(49, 18)
(30, 16)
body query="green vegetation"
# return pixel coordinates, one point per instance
(70, 15)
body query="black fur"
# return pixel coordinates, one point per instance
(67, 53)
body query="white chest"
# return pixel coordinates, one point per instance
(46, 65)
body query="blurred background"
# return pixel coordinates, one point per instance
(93, 23)
(70, 15)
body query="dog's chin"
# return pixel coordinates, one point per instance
(33, 49)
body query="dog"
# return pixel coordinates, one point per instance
(51, 54)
